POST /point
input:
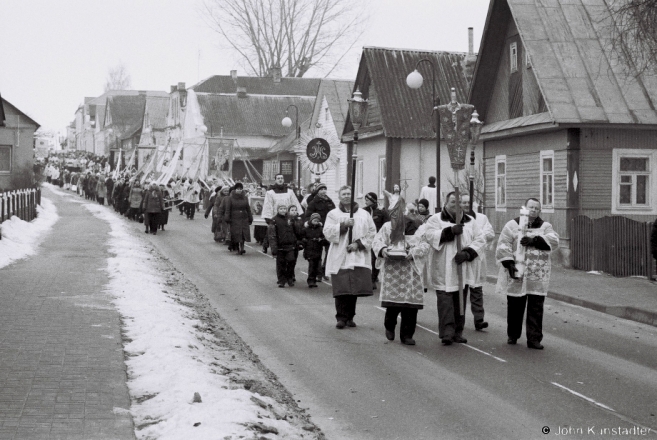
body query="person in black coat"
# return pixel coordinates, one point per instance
(237, 213)
(380, 217)
(320, 203)
(313, 247)
(653, 240)
(284, 235)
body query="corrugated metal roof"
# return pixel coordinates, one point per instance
(406, 112)
(524, 121)
(581, 81)
(259, 85)
(252, 115)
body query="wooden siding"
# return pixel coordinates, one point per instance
(598, 213)
(609, 138)
(594, 180)
(556, 140)
(498, 109)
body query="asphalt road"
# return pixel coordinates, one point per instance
(597, 372)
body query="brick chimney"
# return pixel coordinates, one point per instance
(241, 92)
(275, 73)
(470, 59)
(233, 74)
(181, 86)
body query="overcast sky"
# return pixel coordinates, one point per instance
(53, 53)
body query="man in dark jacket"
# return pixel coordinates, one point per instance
(109, 183)
(313, 247)
(283, 239)
(380, 217)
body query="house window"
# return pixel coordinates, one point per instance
(634, 181)
(382, 175)
(500, 183)
(359, 179)
(286, 167)
(513, 56)
(5, 158)
(547, 180)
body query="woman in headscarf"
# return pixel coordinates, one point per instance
(237, 213)
(135, 198)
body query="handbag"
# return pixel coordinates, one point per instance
(140, 218)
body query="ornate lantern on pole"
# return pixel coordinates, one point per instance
(358, 115)
(287, 122)
(475, 132)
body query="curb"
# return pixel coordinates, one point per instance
(624, 312)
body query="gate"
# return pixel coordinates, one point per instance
(616, 245)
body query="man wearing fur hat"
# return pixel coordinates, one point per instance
(348, 261)
(379, 217)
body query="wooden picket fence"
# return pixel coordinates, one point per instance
(615, 245)
(21, 203)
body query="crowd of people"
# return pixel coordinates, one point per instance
(404, 247)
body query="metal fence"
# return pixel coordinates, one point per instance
(616, 245)
(21, 203)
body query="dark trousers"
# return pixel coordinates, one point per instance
(101, 200)
(285, 266)
(375, 271)
(181, 206)
(516, 311)
(408, 320)
(314, 270)
(477, 304)
(151, 221)
(190, 209)
(345, 307)
(450, 321)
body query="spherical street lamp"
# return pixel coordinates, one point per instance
(414, 79)
(287, 122)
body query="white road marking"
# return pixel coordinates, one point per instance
(582, 396)
(465, 345)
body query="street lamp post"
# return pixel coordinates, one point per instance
(475, 132)
(414, 80)
(358, 114)
(287, 122)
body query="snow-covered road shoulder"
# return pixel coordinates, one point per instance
(171, 354)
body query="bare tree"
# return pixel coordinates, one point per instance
(118, 78)
(633, 34)
(292, 34)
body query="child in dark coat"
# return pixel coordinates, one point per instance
(283, 239)
(313, 245)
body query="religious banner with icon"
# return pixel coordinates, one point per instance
(220, 154)
(318, 151)
(315, 148)
(455, 126)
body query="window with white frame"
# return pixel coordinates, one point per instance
(382, 175)
(500, 183)
(5, 158)
(359, 178)
(547, 179)
(634, 181)
(513, 56)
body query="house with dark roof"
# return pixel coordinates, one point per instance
(16, 142)
(397, 142)
(243, 112)
(566, 121)
(88, 133)
(326, 122)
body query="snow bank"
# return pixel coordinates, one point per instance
(168, 360)
(20, 239)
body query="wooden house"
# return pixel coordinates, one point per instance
(397, 143)
(566, 121)
(326, 122)
(16, 142)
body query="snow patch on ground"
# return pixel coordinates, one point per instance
(20, 239)
(168, 359)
